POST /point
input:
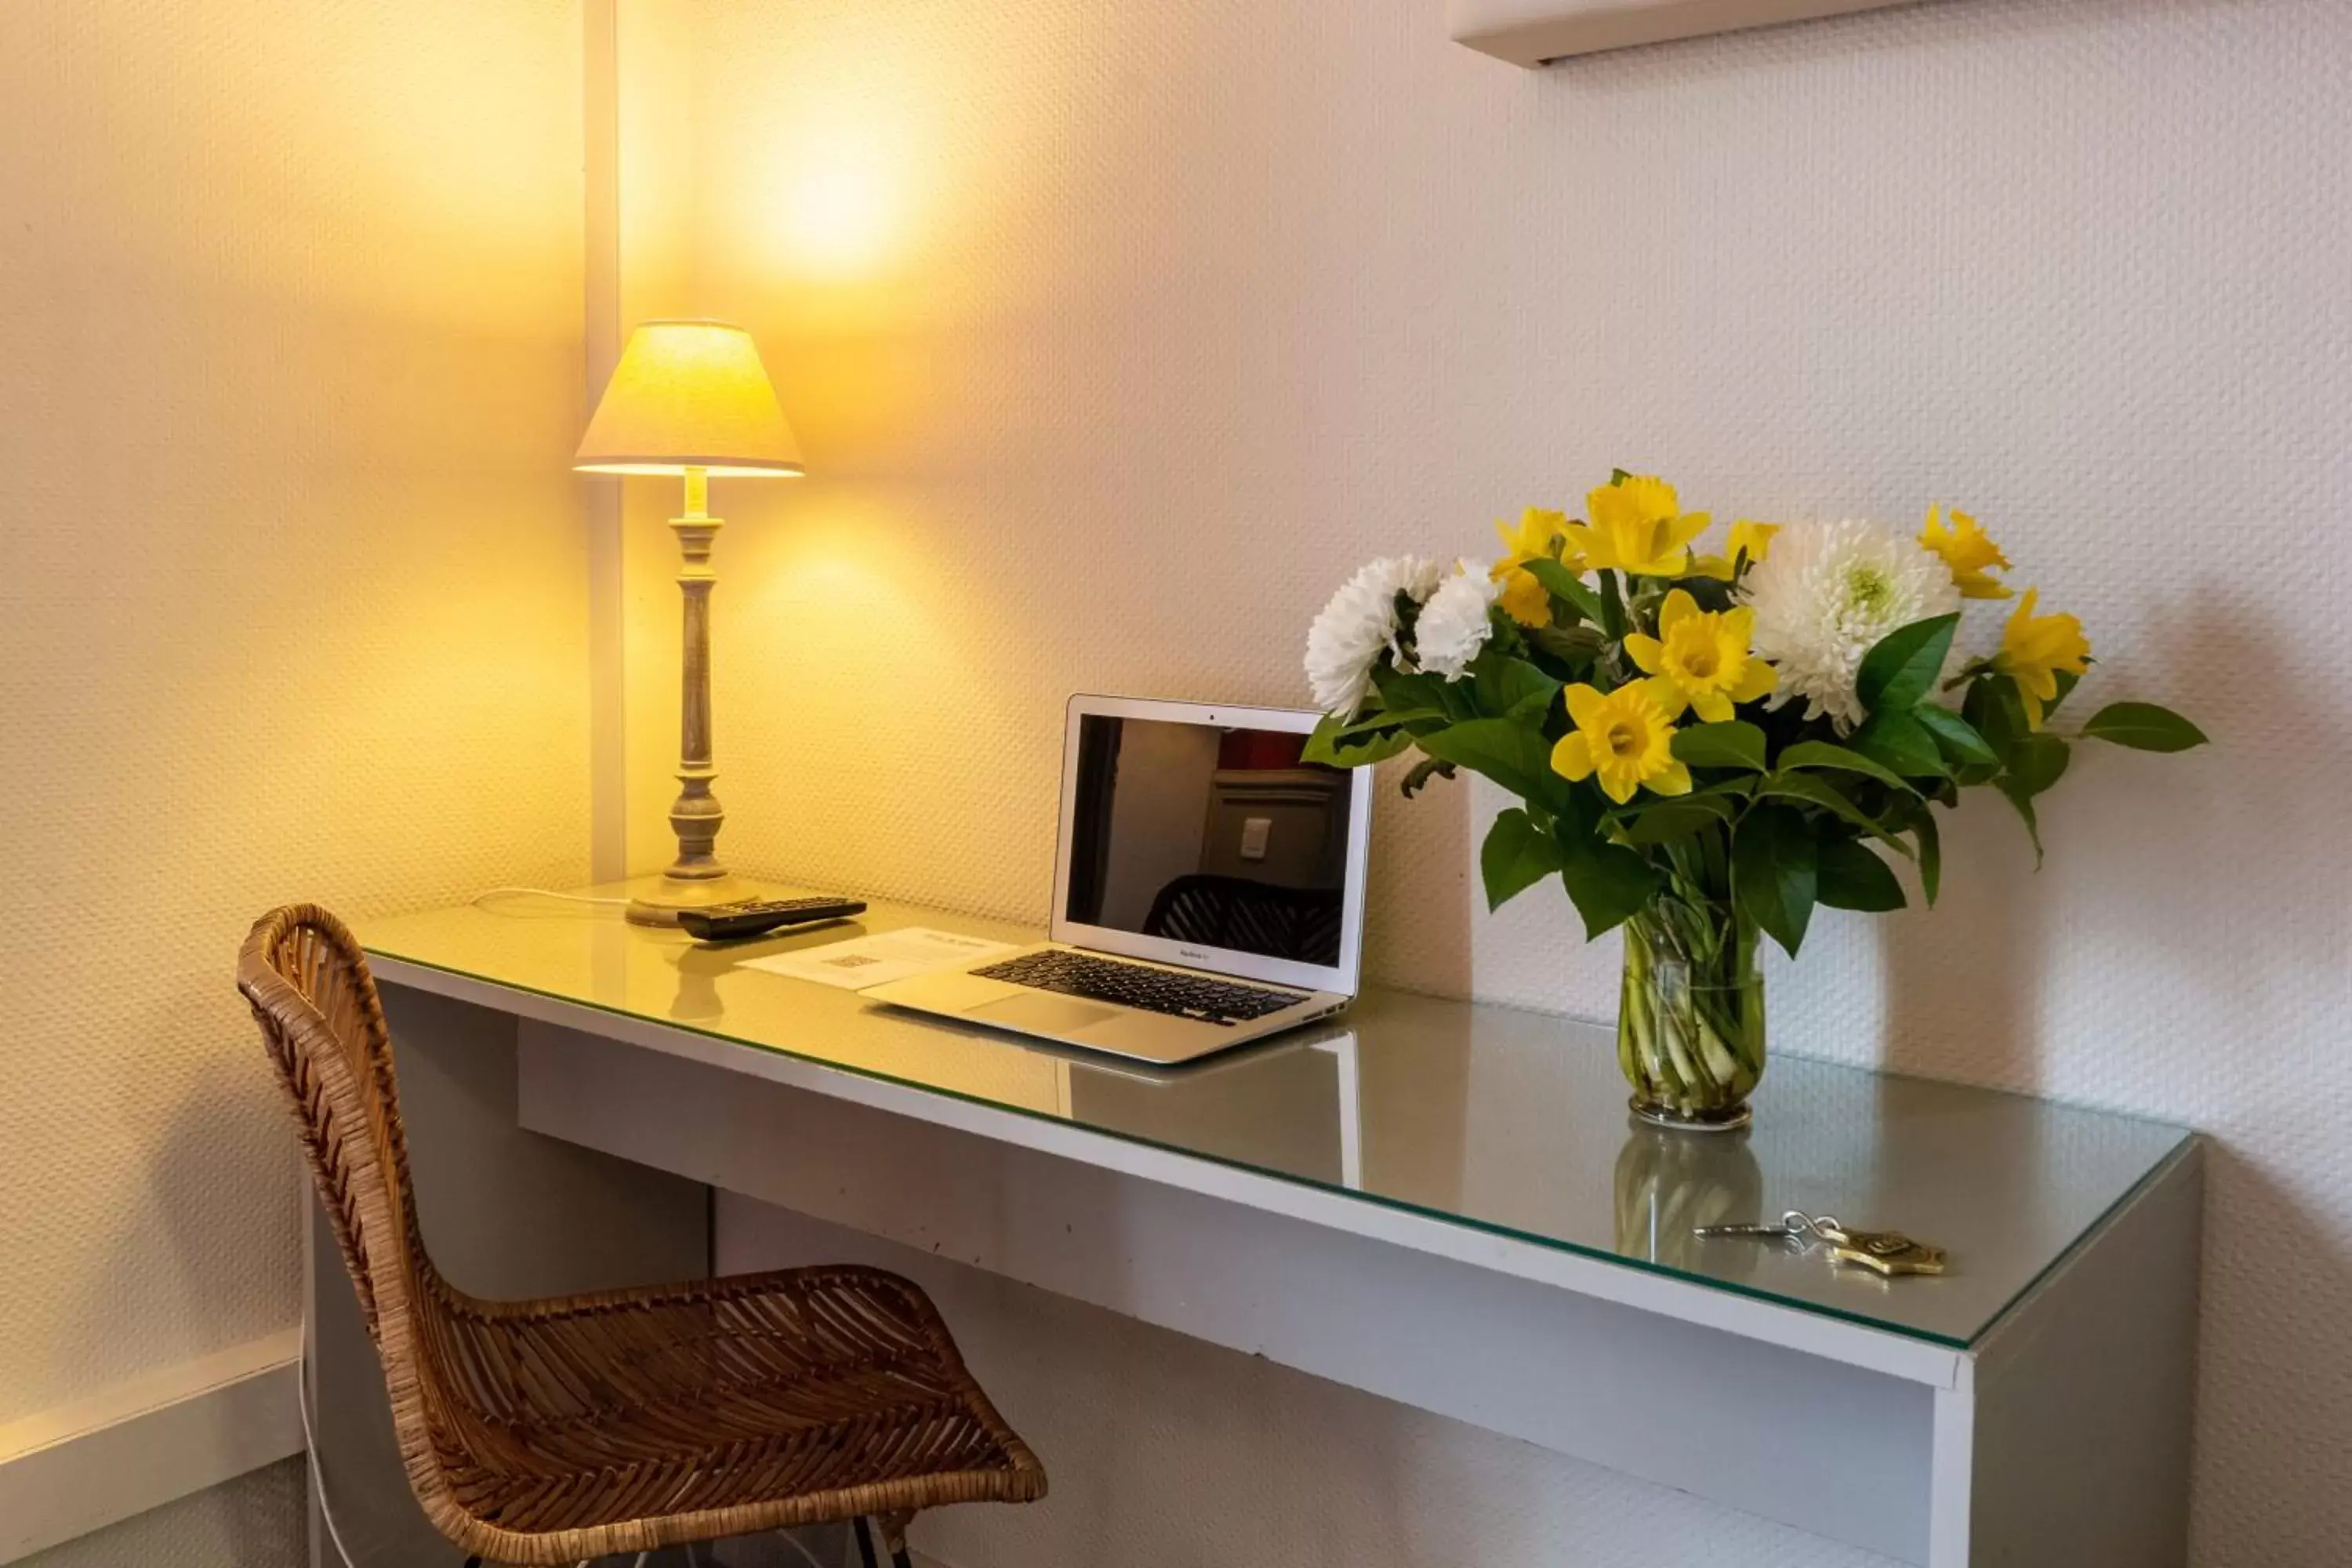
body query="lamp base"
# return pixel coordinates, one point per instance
(656, 900)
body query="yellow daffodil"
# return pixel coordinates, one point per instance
(1966, 552)
(1638, 528)
(1536, 536)
(1539, 537)
(2034, 650)
(1625, 737)
(1755, 538)
(1524, 599)
(1700, 660)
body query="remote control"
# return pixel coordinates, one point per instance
(757, 917)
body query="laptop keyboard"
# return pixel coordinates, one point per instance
(1141, 987)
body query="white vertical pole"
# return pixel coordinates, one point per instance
(607, 711)
(1951, 1469)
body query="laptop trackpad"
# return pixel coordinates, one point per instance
(1045, 1015)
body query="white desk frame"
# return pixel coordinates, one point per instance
(2059, 1438)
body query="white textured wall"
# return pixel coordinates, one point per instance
(291, 592)
(1117, 333)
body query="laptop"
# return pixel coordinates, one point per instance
(1208, 889)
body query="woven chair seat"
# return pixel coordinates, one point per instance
(773, 1400)
(583, 1426)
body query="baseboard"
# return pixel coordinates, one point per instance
(141, 1444)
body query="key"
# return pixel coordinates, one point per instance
(1884, 1252)
(1782, 1230)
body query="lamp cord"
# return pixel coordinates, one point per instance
(310, 1451)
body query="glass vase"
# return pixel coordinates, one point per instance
(1690, 1021)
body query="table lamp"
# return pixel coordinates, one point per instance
(691, 399)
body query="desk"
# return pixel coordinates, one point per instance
(1447, 1204)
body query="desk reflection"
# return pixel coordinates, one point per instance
(1290, 1106)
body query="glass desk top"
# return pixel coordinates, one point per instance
(1510, 1122)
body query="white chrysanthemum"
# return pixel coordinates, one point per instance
(1360, 623)
(1825, 595)
(1456, 623)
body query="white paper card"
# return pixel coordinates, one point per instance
(873, 960)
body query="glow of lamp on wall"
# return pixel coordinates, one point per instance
(842, 213)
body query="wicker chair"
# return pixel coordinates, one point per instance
(564, 1430)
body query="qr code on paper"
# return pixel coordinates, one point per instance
(851, 960)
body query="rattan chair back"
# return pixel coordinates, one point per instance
(320, 1018)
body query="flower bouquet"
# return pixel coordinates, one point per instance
(1705, 746)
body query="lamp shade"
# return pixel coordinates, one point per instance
(689, 394)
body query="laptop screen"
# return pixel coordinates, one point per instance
(1208, 835)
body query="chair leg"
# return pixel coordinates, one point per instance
(894, 1538)
(865, 1542)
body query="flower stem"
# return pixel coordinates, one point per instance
(1690, 1033)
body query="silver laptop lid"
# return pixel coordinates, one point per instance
(1192, 834)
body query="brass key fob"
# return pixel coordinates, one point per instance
(1887, 1252)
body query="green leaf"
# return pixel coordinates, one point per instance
(1562, 584)
(1851, 878)
(1318, 739)
(1667, 821)
(2066, 680)
(1717, 800)
(2144, 727)
(1612, 607)
(1993, 706)
(1775, 877)
(1818, 792)
(1570, 645)
(2037, 761)
(1326, 746)
(1821, 754)
(2024, 804)
(1423, 771)
(1901, 742)
(1511, 752)
(1606, 882)
(1512, 687)
(1931, 852)
(1404, 691)
(1518, 855)
(1955, 735)
(1384, 719)
(1902, 666)
(1734, 744)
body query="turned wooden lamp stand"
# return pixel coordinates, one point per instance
(691, 399)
